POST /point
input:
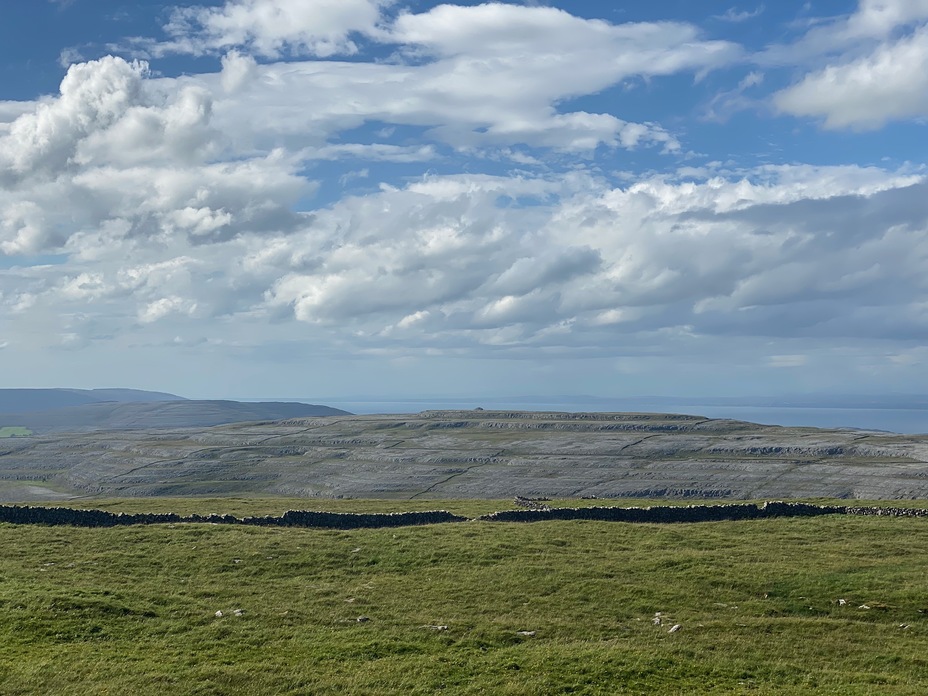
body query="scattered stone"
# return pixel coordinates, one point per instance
(863, 606)
(355, 550)
(842, 602)
(363, 619)
(218, 614)
(904, 627)
(236, 560)
(351, 600)
(529, 634)
(436, 628)
(238, 612)
(531, 503)
(657, 619)
(674, 628)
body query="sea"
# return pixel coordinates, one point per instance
(895, 420)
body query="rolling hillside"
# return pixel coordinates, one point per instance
(32, 400)
(161, 414)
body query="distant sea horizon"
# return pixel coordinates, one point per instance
(908, 415)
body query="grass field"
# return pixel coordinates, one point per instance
(133, 610)
(14, 431)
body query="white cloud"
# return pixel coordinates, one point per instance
(271, 28)
(93, 96)
(880, 18)
(889, 84)
(721, 256)
(848, 36)
(447, 264)
(164, 306)
(376, 152)
(490, 75)
(118, 155)
(736, 16)
(862, 69)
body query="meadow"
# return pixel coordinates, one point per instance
(831, 605)
(14, 431)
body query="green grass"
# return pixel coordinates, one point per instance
(14, 431)
(132, 610)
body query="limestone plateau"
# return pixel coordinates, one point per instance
(472, 454)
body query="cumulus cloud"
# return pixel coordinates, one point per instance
(116, 155)
(272, 27)
(93, 96)
(889, 84)
(449, 264)
(490, 75)
(848, 35)
(717, 257)
(868, 67)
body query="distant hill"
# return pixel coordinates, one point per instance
(33, 400)
(161, 414)
(460, 454)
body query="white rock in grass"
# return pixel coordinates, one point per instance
(219, 614)
(674, 628)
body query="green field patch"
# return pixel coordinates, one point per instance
(14, 431)
(807, 605)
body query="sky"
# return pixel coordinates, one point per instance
(309, 198)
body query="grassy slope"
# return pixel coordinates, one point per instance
(132, 610)
(14, 431)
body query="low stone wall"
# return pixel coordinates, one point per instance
(24, 514)
(17, 514)
(664, 514)
(887, 511)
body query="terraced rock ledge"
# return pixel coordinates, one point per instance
(473, 455)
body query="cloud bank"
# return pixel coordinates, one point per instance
(368, 182)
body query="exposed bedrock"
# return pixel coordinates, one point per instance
(474, 454)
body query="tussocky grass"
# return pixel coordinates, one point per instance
(133, 610)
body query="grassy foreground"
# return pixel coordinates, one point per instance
(133, 610)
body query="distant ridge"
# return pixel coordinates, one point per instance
(180, 413)
(32, 400)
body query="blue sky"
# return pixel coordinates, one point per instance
(303, 198)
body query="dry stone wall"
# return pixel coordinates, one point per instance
(17, 514)
(24, 514)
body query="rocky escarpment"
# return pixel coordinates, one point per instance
(474, 454)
